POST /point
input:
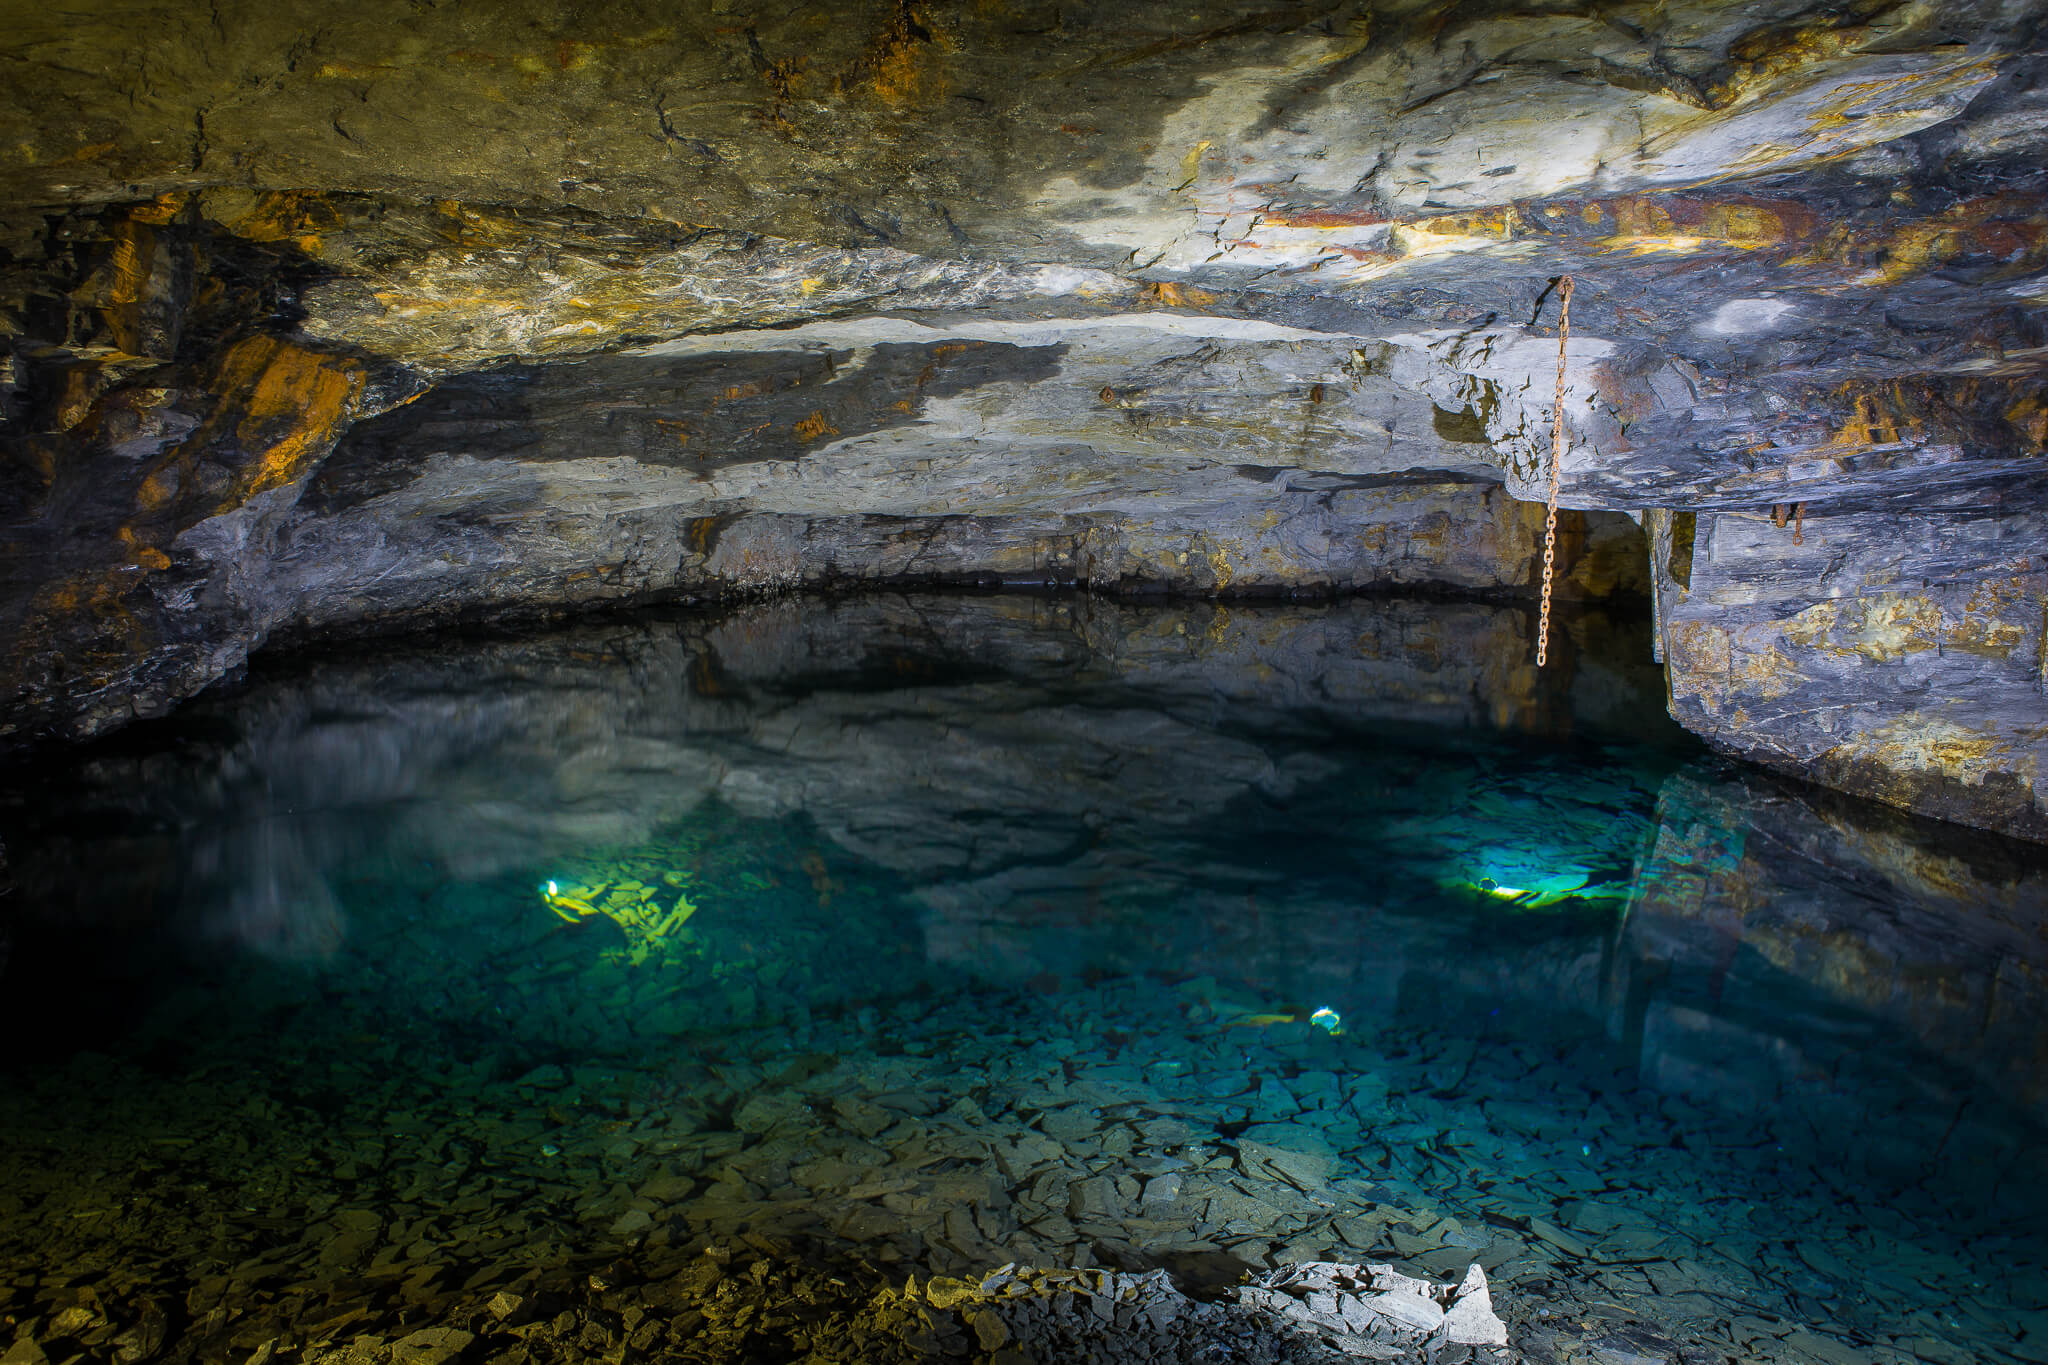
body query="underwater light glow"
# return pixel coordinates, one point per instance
(1525, 877)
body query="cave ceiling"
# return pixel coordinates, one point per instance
(325, 318)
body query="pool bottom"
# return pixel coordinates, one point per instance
(767, 1194)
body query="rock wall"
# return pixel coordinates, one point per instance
(318, 321)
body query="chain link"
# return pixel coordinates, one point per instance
(1564, 333)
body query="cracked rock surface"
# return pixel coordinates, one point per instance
(319, 321)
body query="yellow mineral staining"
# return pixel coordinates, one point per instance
(1697, 653)
(2029, 417)
(1880, 628)
(1646, 224)
(1995, 226)
(343, 71)
(282, 406)
(1456, 232)
(1996, 617)
(91, 151)
(810, 286)
(155, 492)
(1926, 742)
(701, 534)
(1760, 671)
(1221, 568)
(1178, 296)
(813, 427)
(160, 210)
(290, 216)
(143, 556)
(77, 391)
(296, 400)
(466, 225)
(901, 65)
(117, 288)
(1867, 424)
(1823, 116)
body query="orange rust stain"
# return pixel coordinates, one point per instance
(732, 393)
(1179, 296)
(156, 491)
(1875, 418)
(2029, 417)
(901, 63)
(467, 226)
(335, 71)
(134, 248)
(813, 427)
(1493, 222)
(310, 393)
(142, 555)
(77, 391)
(1744, 222)
(90, 152)
(160, 210)
(284, 405)
(291, 216)
(1327, 218)
(1995, 225)
(702, 534)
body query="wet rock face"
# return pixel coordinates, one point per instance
(319, 320)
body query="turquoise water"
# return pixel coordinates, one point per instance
(915, 936)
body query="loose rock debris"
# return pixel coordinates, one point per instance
(644, 1165)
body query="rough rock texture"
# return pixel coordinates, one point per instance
(316, 319)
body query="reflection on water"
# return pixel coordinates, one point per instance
(1697, 1053)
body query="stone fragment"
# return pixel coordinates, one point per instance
(1094, 1198)
(430, 1346)
(1470, 1320)
(1071, 1124)
(1823, 1348)
(989, 1329)
(1411, 1311)
(1558, 1237)
(72, 1320)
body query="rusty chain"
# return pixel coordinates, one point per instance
(1564, 332)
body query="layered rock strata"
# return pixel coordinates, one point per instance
(317, 321)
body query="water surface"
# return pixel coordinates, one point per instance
(919, 935)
